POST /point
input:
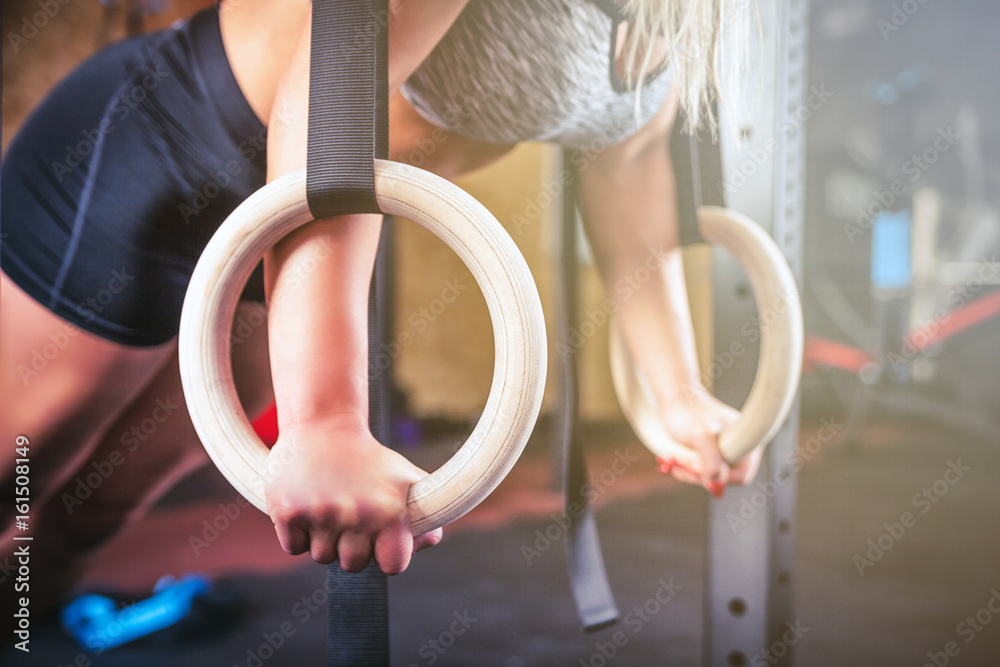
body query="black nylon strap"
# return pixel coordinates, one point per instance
(595, 603)
(684, 154)
(348, 105)
(706, 159)
(348, 130)
(358, 632)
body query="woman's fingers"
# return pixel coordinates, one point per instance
(292, 539)
(695, 425)
(354, 551)
(427, 540)
(686, 476)
(393, 548)
(689, 474)
(323, 545)
(346, 504)
(742, 473)
(746, 470)
(702, 437)
(679, 456)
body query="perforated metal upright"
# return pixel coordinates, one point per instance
(748, 597)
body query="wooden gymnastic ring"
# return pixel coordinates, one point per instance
(781, 341)
(478, 239)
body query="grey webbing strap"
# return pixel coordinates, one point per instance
(348, 130)
(348, 105)
(595, 603)
(688, 155)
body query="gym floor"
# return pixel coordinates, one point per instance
(907, 603)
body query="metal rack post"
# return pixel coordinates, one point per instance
(748, 599)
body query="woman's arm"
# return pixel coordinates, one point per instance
(629, 203)
(332, 489)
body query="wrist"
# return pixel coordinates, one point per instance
(680, 389)
(300, 424)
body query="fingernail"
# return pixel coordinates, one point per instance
(718, 489)
(666, 465)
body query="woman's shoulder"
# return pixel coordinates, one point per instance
(276, 19)
(260, 37)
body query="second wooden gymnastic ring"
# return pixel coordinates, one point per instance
(781, 343)
(468, 229)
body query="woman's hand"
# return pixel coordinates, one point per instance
(336, 492)
(694, 420)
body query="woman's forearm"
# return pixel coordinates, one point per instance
(318, 276)
(317, 282)
(631, 218)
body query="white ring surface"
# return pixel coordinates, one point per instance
(468, 229)
(781, 345)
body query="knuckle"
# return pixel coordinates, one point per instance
(284, 512)
(338, 512)
(380, 514)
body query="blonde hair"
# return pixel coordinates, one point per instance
(701, 37)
